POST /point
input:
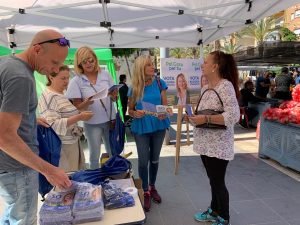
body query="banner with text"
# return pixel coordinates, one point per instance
(170, 68)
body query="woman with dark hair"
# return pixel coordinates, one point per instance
(215, 146)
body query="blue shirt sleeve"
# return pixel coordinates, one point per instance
(163, 84)
(129, 93)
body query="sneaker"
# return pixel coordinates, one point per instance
(154, 194)
(221, 221)
(205, 216)
(147, 201)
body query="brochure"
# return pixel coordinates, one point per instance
(163, 109)
(188, 110)
(114, 87)
(99, 95)
(149, 107)
(156, 110)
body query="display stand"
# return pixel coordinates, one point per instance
(178, 136)
(280, 142)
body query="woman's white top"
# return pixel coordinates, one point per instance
(217, 142)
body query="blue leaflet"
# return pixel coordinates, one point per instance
(149, 106)
(189, 110)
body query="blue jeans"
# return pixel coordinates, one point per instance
(95, 134)
(20, 193)
(148, 148)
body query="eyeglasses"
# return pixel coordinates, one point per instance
(61, 41)
(85, 61)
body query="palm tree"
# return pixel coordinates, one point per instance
(260, 30)
(193, 53)
(126, 52)
(207, 49)
(230, 48)
(177, 53)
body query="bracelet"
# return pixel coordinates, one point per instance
(206, 119)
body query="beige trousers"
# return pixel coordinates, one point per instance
(72, 157)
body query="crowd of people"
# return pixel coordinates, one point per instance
(267, 88)
(63, 104)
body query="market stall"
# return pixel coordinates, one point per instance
(280, 132)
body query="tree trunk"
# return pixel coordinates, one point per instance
(128, 67)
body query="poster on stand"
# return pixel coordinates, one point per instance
(182, 77)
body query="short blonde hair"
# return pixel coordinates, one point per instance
(81, 54)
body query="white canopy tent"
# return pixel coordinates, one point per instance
(132, 23)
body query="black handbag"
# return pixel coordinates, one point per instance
(210, 112)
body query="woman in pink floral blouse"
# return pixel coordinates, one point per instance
(216, 145)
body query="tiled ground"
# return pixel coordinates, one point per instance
(260, 193)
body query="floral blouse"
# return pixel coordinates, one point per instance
(217, 142)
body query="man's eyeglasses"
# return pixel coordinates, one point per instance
(61, 41)
(85, 61)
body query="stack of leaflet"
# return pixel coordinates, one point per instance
(57, 208)
(88, 203)
(115, 197)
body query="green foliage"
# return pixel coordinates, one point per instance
(177, 53)
(230, 48)
(207, 49)
(259, 30)
(119, 52)
(287, 35)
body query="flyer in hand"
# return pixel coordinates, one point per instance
(155, 110)
(99, 95)
(114, 87)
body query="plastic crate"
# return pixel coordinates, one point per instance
(280, 142)
(271, 140)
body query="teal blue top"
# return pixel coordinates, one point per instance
(149, 124)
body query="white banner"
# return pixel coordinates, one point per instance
(170, 68)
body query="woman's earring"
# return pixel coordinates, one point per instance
(213, 71)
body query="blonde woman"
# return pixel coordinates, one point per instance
(183, 96)
(148, 131)
(89, 80)
(63, 116)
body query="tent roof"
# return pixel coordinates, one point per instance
(133, 23)
(270, 54)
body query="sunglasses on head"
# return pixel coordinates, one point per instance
(61, 41)
(85, 61)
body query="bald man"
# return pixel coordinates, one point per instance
(19, 162)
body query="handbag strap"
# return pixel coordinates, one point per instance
(209, 89)
(109, 116)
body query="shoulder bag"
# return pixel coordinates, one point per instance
(210, 112)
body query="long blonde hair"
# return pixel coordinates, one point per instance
(138, 79)
(82, 53)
